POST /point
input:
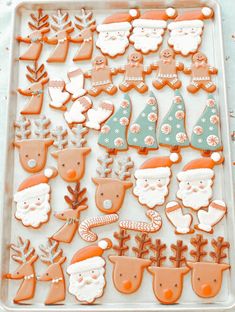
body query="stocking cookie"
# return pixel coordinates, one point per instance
(196, 180)
(114, 32)
(149, 28)
(142, 132)
(32, 151)
(181, 222)
(153, 178)
(186, 30)
(113, 133)
(210, 217)
(58, 95)
(53, 257)
(135, 73)
(200, 73)
(87, 272)
(96, 117)
(101, 77)
(75, 115)
(39, 26)
(75, 86)
(206, 132)
(167, 70)
(26, 257)
(38, 78)
(33, 199)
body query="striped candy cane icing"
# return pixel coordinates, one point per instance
(86, 226)
(141, 226)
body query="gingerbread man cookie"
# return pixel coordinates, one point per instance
(135, 72)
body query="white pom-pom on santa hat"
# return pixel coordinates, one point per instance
(171, 12)
(207, 12)
(105, 244)
(174, 157)
(133, 12)
(216, 157)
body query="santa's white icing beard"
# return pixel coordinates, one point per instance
(88, 285)
(146, 39)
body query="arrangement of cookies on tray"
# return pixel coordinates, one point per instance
(116, 131)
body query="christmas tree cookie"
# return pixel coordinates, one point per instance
(113, 133)
(206, 132)
(142, 132)
(172, 130)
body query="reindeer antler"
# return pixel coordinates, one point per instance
(219, 246)
(157, 248)
(50, 253)
(77, 199)
(42, 124)
(22, 124)
(122, 237)
(60, 133)
(178, 259)
(199, 243)
(79, 133)
(142, 241)
(84, 20)
(60, 21)
(23, 252)
(125, 165)
(39, 21)
(105, 161)
(36, 73)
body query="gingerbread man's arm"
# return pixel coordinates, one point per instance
(114, 71)
(21, 39)
(213, 70)
(179, 66)
(187, 70)
(155, 65)
(87, 74)
(147, 69)
(122, 69)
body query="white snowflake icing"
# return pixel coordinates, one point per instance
(178, 126)
(106, 140)
(116, 130)
(203, 119)
(115, 119)
(170, 118)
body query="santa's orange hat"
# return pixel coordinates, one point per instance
(89, 257)
(157, 167)
(155, 18)
(201, 168)
(191, 18)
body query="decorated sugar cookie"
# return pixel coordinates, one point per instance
(153, 178)
(97, 116)
(77, 203)
(207, 277)
(206, 132)
(85, 23)
(70, 159)
(38, 78)
(26, 257)
(142, 131)
(168, 281)
(76, 113)
(101, 77)
(172, 133)
(114, 32)
(33, 199)
(61, 25)
(87, 272)
(167, 70)
(135, 73)
(110, 192)
(39, 26)
(196, 180)
(149, 29)
(75, 86)
(53, 257)
(113, 133)
(32, 151)
(200, 72)
(128, 271)
(58, 95)
(186, 30)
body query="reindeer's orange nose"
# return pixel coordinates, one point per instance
(127, 284)
(168, 293)
(71, 173)
(206, 290)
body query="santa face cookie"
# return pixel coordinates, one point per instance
(196, 180)
(152, 180)
(149, 28)
(114, 32)
(33, 199)
(186, 30)
(87, 272)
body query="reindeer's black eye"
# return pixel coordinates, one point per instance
(63, 165)
(101, 194)
(198, 279)
(160, 285)
(135, 276)
(47, 274)
(176, 285)
(120, 274)
(78, 163)
(215, 280)
(39, 154)
(26, 155)
(117, 195)
(62, 214)
(18, 273)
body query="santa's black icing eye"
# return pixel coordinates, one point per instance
(78, 163)
(176, 285)
(120, 274)
(101, 194)
(201, 182)
(117, 195)
(160, 285)
(39, 154)
(198, 279)
(26, 155)
(215, 280)
(63, 165)
(135, 276)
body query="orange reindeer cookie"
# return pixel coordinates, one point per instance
(71, 215)
(39, 26)
(53, 257)
(32, 151)
(38, 77)
(87, 272)
(26, 257)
